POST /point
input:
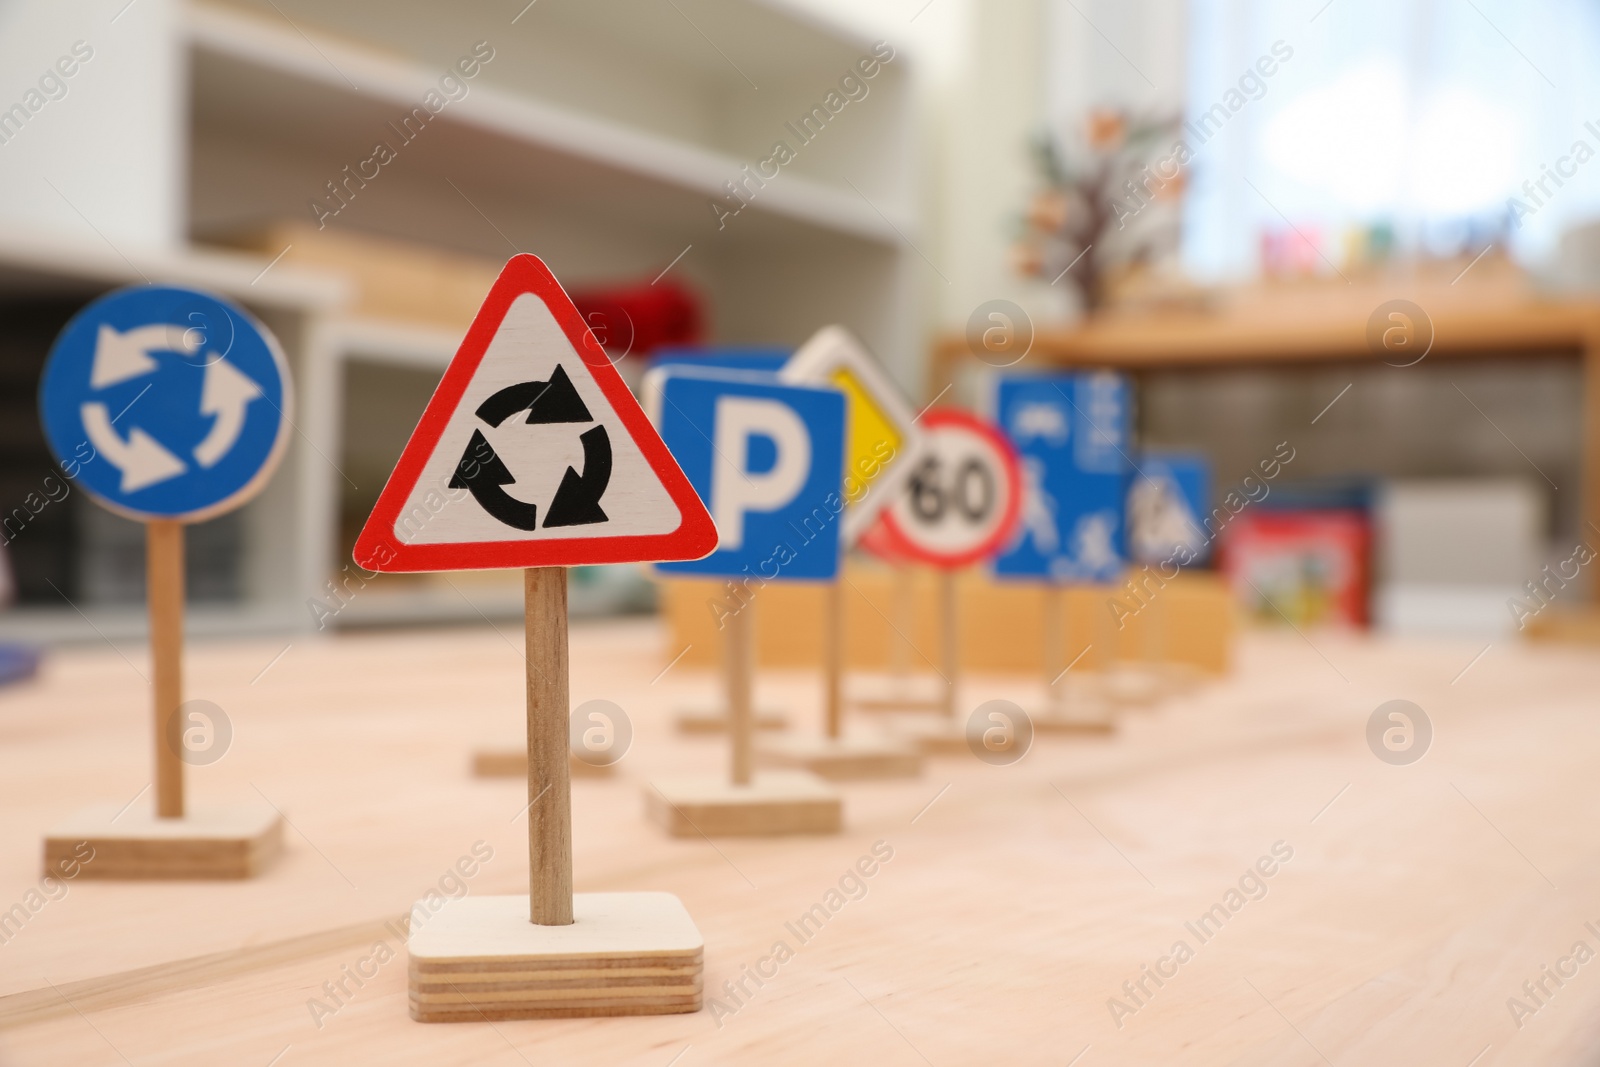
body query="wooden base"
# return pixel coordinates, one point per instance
(715, 720)
(480, 958)
(513, 763)
(1094, 719)
(936, 736)
(775, 802)
(233, 841)
(893, 705)
(843, 759)
(1133, 685)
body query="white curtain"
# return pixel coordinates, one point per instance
(1428, 115)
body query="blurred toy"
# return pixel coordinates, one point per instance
(1309, 568)
(1088, 226)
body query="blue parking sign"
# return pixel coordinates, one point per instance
(171, 403)
(1071, 432)
(767, 458)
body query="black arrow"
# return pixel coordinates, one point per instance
(545, 402)
(482, 473)
(577, 499)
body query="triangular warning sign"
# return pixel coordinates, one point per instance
(532, 453)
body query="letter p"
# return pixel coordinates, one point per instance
(735, 489)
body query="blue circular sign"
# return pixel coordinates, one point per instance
(166, 403)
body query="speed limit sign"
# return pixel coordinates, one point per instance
(963, 497)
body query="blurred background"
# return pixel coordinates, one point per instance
(1222, 201)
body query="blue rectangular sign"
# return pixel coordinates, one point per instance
(1168, 501)
(767, 458)
(1071, 433)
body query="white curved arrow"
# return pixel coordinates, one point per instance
(120, 356)
(226, 393)
(140, 458)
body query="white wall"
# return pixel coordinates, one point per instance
(110, 145)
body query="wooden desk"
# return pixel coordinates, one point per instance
(1018, 899)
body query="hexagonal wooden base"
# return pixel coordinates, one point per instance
(480, 958)
(232, 841)
(513, 763)
(843, 759)
(775, 802)
(715, 720)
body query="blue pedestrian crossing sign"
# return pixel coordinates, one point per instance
(1072, 433)
(767, 458)
(171, 403)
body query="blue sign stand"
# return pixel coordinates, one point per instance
(170, 405)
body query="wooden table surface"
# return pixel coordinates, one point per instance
(1017, 902)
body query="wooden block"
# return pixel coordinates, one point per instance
(480, 958)
(234, 841)
(1193, 620)
(513, 763)
(715, 720)
(775, 802)
(843, 759)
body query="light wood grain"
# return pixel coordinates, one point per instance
(716, 721)
(1001, 623)
(852, 758)
(772, 803)
(513, 763)
(549, 782)
(623, 954)
(1018, 899)
(739, 669)
(233, 841)
(164, 591)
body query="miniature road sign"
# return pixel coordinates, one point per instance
(532, 453)
(883, 440)
(171, 406)
(767, 457)
(882, 445)
(751, 360)
(959, 505)
(173, 402)
(1071, 432)
(962, 499)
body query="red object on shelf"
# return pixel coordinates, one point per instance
(1311, 567)
(635, 320)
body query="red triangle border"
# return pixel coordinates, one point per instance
(378, 549)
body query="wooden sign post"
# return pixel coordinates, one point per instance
(903, 691)
(529, 383)
(883, 444)
(960, 506)
(719, 720)
(801, 430)
(1082, 714)
(162, 347)
(1071, 431)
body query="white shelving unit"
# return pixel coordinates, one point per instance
(597, 136)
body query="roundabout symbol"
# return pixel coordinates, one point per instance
(482, 473)
(185, 421)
